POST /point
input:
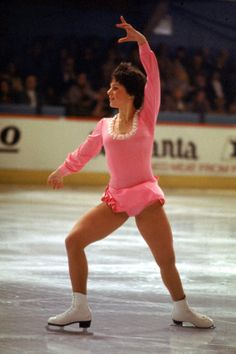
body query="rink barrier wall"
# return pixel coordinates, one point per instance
(101, 179)
(184, 155)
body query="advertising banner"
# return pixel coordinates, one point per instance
(195, 150)
(188, 150)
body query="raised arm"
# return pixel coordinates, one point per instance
(152, 96)
(76, 160)
(148, 59)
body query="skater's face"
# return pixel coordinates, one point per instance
(118, 96)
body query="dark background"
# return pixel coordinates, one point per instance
(195, 23)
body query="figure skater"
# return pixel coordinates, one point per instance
(132, 191)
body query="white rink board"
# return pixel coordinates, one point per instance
(195, 150)
(44, 144)
(187, 150)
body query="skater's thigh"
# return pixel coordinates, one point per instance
(154, 226)
(96, 224)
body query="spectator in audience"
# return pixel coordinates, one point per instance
(69, 73)
(196, 66)
(87, 59)
(232, 107)
(179, 78)
(219, 105)
(165, 66)
(229, 84)
(80, 98)
(11, 72)
(200, 105)
(32, 97)
(216, 91)
(102, 107)
(5, 95)
(55, 67)
(199, 84)
(176, 102)
(222, 61)
(207, 64)
(18, 95)
(50, 97)
(217, 85)
(109, 66)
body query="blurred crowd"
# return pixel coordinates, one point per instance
(76, 74)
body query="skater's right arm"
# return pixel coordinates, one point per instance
(148, 59)
(76, 160)
(55, 180)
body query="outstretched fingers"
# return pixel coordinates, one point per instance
(122, 19)
(123, 39)
(123, 23)
(128, 28)
(132, 35)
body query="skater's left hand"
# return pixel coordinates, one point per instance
(131, 34)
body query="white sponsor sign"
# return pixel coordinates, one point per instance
(195, 150)
(42, 144)
(192, 150)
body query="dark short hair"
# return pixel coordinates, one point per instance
(133, 80)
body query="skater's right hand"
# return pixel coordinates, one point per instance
(55, 180)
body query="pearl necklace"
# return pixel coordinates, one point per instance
(119, 136)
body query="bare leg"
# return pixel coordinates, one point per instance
(93, 226)
(155, 229)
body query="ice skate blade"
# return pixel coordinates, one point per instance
(82, 324)
(190, 325)
(68, 330)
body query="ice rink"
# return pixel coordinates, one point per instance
(131, 308)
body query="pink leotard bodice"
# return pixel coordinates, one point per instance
(129, 156)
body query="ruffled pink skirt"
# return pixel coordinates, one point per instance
(134, 199)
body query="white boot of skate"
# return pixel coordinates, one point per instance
(183, 313)
(79, 312)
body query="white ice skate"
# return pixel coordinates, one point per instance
(79, 312)
(183, 313)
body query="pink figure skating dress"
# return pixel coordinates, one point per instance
(132, 186)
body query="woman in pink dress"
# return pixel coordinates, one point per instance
(132, 191)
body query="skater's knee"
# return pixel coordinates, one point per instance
(70, 242)
(74, 241)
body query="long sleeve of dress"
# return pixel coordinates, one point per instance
(76, 160)
(152, 92)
